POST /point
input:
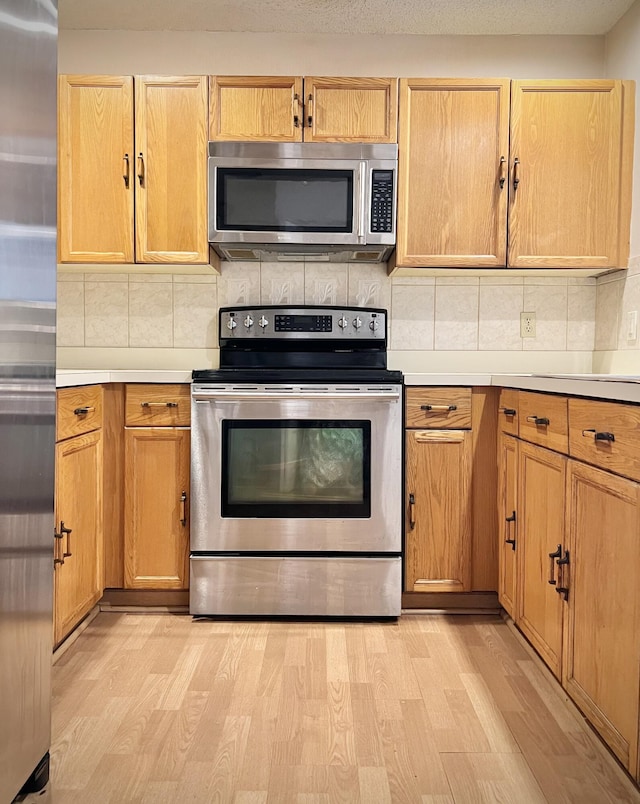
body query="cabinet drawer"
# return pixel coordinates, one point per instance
(543, 420)
(508, 411)
(441, 408)
(606, 434)
(78, 410)
(157, 405)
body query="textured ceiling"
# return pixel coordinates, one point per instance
(348, 16)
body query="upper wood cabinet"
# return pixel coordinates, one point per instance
(104, 170)
(569, 197)
(293, 109)
(95, 159)
(543, 166)
(452, 189)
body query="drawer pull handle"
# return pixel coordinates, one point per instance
(83, 411)
(183, 509)
(510, 519)
(158, 404)
(539, 421)
(412, 511)
(508, 411)
(610, 437)
(439, 407)
(552, 569)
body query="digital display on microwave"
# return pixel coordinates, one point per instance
(284, 200)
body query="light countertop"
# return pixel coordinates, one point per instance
(67, 377)
(600, 386)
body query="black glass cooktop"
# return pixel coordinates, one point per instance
(262, 376)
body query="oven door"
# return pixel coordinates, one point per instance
(296, 470)
(317, 201)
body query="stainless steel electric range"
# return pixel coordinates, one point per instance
(296, 466)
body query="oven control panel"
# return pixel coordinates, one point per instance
(303, 322)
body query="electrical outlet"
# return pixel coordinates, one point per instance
(632, 325)
(527, 325)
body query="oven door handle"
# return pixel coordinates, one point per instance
(238, 396)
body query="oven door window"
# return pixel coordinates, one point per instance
(284, 200)
(296, 468)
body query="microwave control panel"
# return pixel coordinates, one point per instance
(337, 323)
(382, 201)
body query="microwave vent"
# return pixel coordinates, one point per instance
(240, 254)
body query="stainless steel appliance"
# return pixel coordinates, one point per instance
(296, 466)
(28, 53)
(336, 201)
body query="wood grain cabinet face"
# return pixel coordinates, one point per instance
(293, 109)
(438, 525)
(606, 434)
(439, 408)
(452, 209)
(543, 420)
(508, 411)
(568, 201)
(602, 624)
(547, 162)
(105, 169)
(78, 568)
(156, 488)
(541, 513)
(95, 168)
(156, 508)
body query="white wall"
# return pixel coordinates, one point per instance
(437, 324)
(184, 52)
(618, 294)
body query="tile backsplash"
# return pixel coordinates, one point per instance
(179, 311)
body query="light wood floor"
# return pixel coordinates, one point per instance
(435, 709)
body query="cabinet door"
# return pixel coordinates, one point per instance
(78, 581)
(156, 525)
(569, 160)
(602, 643)
(256, 108)
(452, 200)
(351, 109)
(438, 530)
(171, 169)
(95, 168)
(542, 476)
(507, 520)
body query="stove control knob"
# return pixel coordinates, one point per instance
(232, 324)
(373, 325)
(342, 322)
(248, 322)
(263, 322)
(357, 322)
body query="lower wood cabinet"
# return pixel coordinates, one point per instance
(156, 502)
(508, 523)
(572, 533)
(438, 537)
(602, 618)
(541, 512)
(78, 527)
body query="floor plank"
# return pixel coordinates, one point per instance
(433, 709)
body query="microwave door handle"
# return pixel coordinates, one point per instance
(362, 194)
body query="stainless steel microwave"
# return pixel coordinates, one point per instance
(334, 201)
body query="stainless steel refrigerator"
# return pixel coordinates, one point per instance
(28, 60)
